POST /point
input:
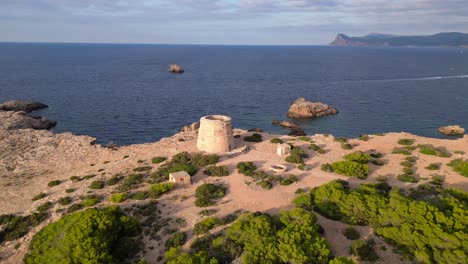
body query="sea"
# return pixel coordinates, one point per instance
(123, 92)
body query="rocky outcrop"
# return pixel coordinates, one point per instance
(256, 129)
(22, 105)
(297, 132)
(191, 128)
(10, 120)
(302, 108)
(287, 124)
(176, 68)
(451, 130)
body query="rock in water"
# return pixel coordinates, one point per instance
(452, 130)
(176, 68)
(297, 132)
(302, 108)
(22, 105)
(10, 120)
(191, 128)
(287, 124)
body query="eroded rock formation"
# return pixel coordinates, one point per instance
(302, 108)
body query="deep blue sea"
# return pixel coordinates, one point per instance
(124, 94)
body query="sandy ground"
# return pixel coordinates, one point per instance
(72, 155)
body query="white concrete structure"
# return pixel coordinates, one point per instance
(215, 134)
(180, 178)
(283, 149)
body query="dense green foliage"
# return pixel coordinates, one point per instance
(317, 148)
(296, 156)
(159, 189)
(265, 184)
(90, 236)
(350, 168)
(218, 171)
(358, 156)
(15, 226)
(433, 151)
(131, 182)
(54, 183)
(433, 166)
(175, 240)
(246, 168)
(407, 177)
(276, 141)
(157, 160)
(206, 193)
(401, 151)
(114, 180)
(364, 137)
(351, 233)
(428, 225)
(43, 208)
(255, 137)
(177, 256)
(364, 250)
(205, 225)
(459, 166)
(97, 185)
(406, 141)
(65, 200)
(118, 197)
(39, 196)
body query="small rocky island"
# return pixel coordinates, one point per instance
(302, 108)
(452, 130)
(15, 115)
(176, 68)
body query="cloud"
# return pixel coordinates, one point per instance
(181, 20)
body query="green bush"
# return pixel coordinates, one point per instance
(433, 166)
(408, 170)
(205, 225)
(246, 168)
(142, 168)
(44, 207)
(406, 141)
(294, 158)
(407, 178)
(376, 155)
(65, 200)
(364, 250)
(304, 138)
(140, 195)
(74, 207)
(208, 212)
(346, 146)
(401, 151)
(289, 180)
(433, 151)
(90, 201)
(131, 182)
(159, 189)
(70, 190)
(437, 180)
(255, 137)
(15, 226)
(114, 180)
(303, 167)
(378, 162)
(218, 171)
(314, 147)
(358, 156)
(204, 160)
(276, 141)
(351, 233)
(265, 184)
(176, 239)
(39, 196)
(90, 236)
(118, 197)
(341, 260)
(411, 159)
(340, 139)
(326, 167)
(54, 183)
(406, 164)
(459, 166)
(157, 160)
(190, 169)
(75, 178)
(364, 137)
(97, 185)
(206, 193)
(350, 168)
(303, 200)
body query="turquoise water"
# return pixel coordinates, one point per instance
(123, 93)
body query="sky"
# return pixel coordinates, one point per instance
(236, 22)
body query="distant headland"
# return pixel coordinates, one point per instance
(450, 39)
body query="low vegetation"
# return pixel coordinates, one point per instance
(54, 183)
(39, 196)
(433, 166)
(255, 137)
(406, 141)
(118, 197)
(218, 171)
(433, 151)
(401, 151)
(364, 249)
(354, 165)
(276, 141)
(159, 189)
(157, 160)
(296, 156)
(97, 185)
(206, 193)
(246, 168)
(205, 225)
(15, 226)
(65, 200)
(351, 233)
(175, 240)
(459, 166)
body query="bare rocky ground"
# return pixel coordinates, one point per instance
(29, 159)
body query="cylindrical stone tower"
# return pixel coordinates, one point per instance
(215, 134)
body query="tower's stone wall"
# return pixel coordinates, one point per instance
(215, 134)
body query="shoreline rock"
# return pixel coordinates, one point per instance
(286, 124)
(11, 120)
(452, 130)
(22, 105)
(302, 108)
(176, 68)
(191, 128)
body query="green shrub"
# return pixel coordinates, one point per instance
(157, 160)
(70, 190)
(74, 207)
(326, 167)
(75, 178)
(218, 171)
(204, 160)
(346, 146)
(303, 200)
(39, 196)
(76, 238)
(159, 189)
(255, 137)
(406, 164)
(90, 201)
(340, 139)
(205, 225)
(406, 141)
(54, 183)
(378, 162)
(411, 159)
(114, 180)
(276, 141)
(341, 260)
(118, 197)
(294, 158)
(265, 184)
(304, 138)
(401, 151)
(407, 178)
(364, 250)
(44, 207)
(433, 166)
(246, 168)
(350, 168)
(289, 180)
(15, 226)
(358, 156)
(131, 182)
(314, 147)
(142, 168)
(459, 166)
(433, 151)
(206, 193)
(90, 176)
(376, 155)
(408, 170)
(97, 185)
(140, 195)
(189, 168)
(303, 167)
(459, 152)
(208, 212)
(364, 137)
(437, 180)
(176, 239)
(351, 233)
(65, 200)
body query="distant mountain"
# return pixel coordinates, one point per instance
(450, 39)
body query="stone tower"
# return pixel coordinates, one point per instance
(215, 134)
